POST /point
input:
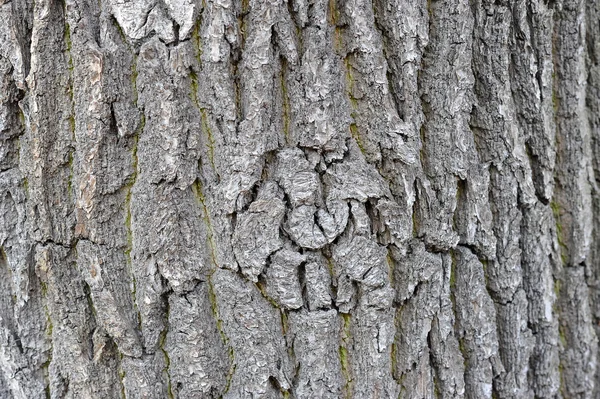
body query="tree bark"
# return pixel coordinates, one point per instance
(299, 199)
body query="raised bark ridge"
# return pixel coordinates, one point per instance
(308, 199)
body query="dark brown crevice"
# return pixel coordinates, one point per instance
(433, 362)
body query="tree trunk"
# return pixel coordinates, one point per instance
(301, 199)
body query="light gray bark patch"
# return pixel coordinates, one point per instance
(439, 235)
(302, 227)
(217, 43)
(361, 222)
(314, 228)
(104, 273)
(505, 274)
(516, 160)
(220, 227)
(256, 234)
(358, 256)
(532, 89)
(257, 131)
(333, 221)
(416, 267)
(404, 28)
(593, 114)
(473, 218)
(447, 358)
(418, 280)
(169, 235)
(184, 14)
(48, 140)
(414, 370)
(282, 282)
(317, 279)
(372, 334)
(516, 340)
(319, 111)
(83, 364)
(24, 346)
(395, 223)
(198, 362)
(12, 122)
(476, 325)
(294, 174)
(573, 196)
(354, 179)
(119, 79)
(11, 49)
(577, 336)
(253, 328)
(171, 250)
(168, 148)
(346, 293)
(539, 260)
(14, 239)
(448, 151)
(316, 348)
(4, 388)
(101, 165)
(140, 18)
(148, 296)
(368, 89)
(145, 377)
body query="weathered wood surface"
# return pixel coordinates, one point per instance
(299, 199)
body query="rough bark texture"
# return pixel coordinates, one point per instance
(301, 198)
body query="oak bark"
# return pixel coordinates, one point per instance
(299, 199)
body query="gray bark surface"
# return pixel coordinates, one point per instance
(299, 199)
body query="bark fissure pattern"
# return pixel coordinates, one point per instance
(299, 199)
